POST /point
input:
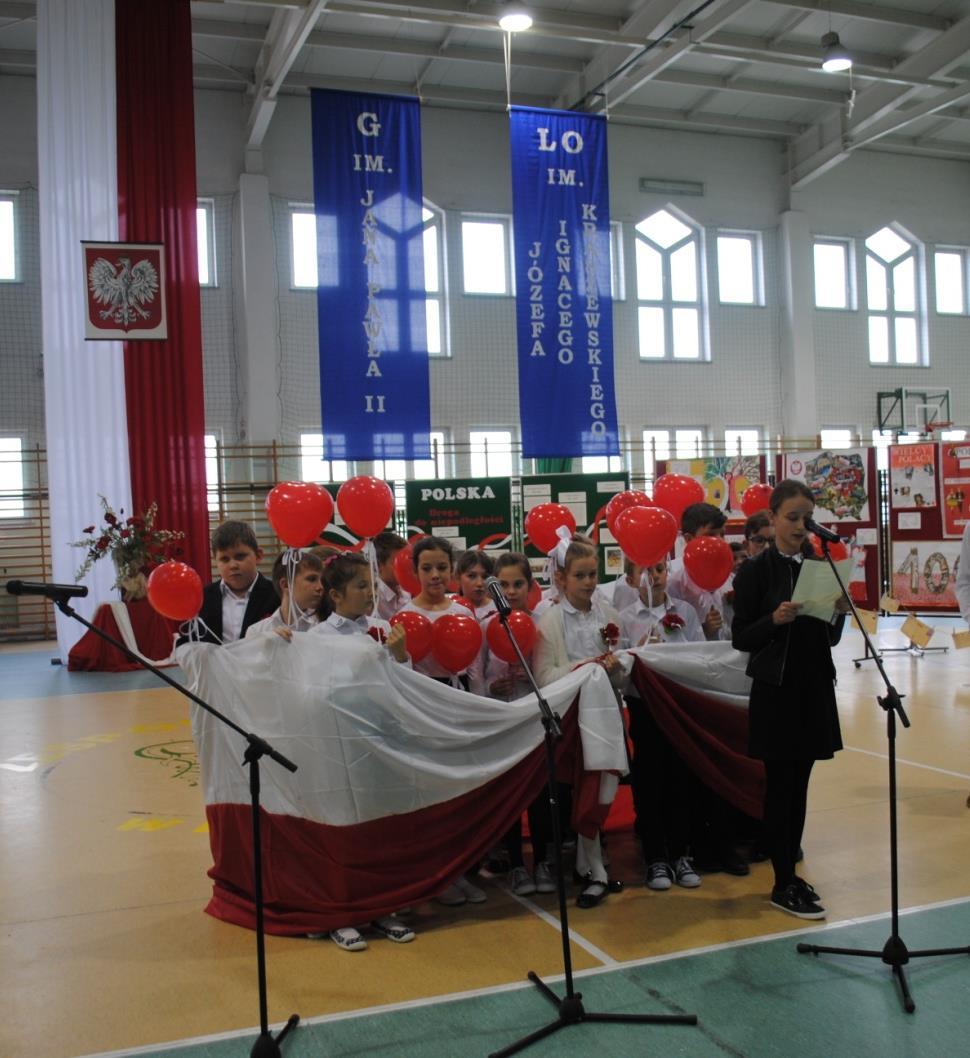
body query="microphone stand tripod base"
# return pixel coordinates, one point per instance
(267, 1045)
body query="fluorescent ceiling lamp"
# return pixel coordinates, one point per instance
(835, 58)
(515, 20)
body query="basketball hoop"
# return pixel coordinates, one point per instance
(932, 427)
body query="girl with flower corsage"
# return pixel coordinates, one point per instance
(580, 628)
(663, 789)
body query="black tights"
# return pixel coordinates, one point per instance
(786, 794)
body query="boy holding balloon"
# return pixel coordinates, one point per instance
(299, 601)
(701, 521)
(392, 594)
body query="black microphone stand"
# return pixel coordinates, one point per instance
(570, 1007)
(267, 1045)
(894, 952)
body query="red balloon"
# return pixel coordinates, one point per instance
(621, 502)
(542, 522)
(522, 627)
(535, 596)
(417, 629)
(708, 561)
(299, 511)
(645, 534)
(175, 591)
(404, 570)
(455, 641)
(838, 551)
(676, 492)
(365, 504)
(463, 601)
(755, 498)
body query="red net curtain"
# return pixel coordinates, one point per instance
(157, 203)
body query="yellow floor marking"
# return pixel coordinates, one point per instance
(150, 823)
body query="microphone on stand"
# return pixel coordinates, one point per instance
(54, 592)
(821, 532)
(494, 588)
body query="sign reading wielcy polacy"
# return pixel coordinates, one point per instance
(124, 284)
(371, 292)
(564, 310)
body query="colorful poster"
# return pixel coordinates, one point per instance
(924, 574)
(955, 472)
(912, 476)
(724, 478)
(839, 480)
(564, 308)
(371, 300)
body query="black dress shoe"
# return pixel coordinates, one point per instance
(596, 892)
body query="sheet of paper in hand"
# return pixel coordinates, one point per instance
(817, 589)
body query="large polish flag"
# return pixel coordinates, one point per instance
(402, 783)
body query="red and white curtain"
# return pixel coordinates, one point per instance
(117, 161)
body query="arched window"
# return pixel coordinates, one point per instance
(669, 288)
(892, 297)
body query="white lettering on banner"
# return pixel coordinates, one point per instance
(373, 163)
(571, 142)
(537, 309)
(373, 403)
(561, 177)
(367, 124)
(592, 315)
(463, 492)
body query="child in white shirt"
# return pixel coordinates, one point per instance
(297, 611)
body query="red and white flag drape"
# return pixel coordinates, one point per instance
(402, 782)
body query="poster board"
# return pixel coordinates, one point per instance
(923, 575)
(724, 478)
(585, 495)
(955, 486)
(469, 512)
(845, 486)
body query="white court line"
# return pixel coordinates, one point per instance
(911, 763)
(577, 938)
(454, 997)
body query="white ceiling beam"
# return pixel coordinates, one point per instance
(750, 86)
(487, 14)
(285, 39)
(827, 142)
(871, 12)
(923, 147)
(19, 12)
(728, 123)
(662, 57)
(789, 49)
(901, 118)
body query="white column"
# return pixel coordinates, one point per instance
(84, 382)
(256, 308)
(799, 409)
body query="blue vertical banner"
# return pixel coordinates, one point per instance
(371, 291)
(564, 309)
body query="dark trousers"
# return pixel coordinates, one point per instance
(786, 797)
(663, 789)
(540, 830)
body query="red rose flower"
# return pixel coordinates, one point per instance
(610, 634)
(377, 634)
(672, 620)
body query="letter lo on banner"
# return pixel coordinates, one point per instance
(564, 310)
(370, 276)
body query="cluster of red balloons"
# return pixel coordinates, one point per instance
(299, 511)
(453, 640)
(175, 591)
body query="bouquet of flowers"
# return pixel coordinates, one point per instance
(134, 545)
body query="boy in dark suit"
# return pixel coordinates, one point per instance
(242, 596)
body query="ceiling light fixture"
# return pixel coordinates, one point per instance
(515, 20)
(835, 59)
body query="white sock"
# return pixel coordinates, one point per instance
(589, 858)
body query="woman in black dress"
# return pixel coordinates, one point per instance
(793, 719)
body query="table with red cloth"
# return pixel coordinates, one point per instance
(153, 639)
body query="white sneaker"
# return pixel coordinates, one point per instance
(472, 893)
(545, 883)
(452, 896)
(685, 874)
(348, 938)
(520, 883)
(394, 929)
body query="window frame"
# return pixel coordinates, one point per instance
(13, 197)
(504, 220)
(617, 262)
(305, 444)
(515, 455)
(667, 303)
(17, 509)
(757, 266)
(837, 446)
(207, 206)
(964, 254)
(437, 220)
(740, 430)
(848, 250)
(891, 314)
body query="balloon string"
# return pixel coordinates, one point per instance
(371, 552)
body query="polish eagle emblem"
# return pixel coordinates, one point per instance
(123, 289)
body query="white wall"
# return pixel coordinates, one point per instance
(466, 168)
